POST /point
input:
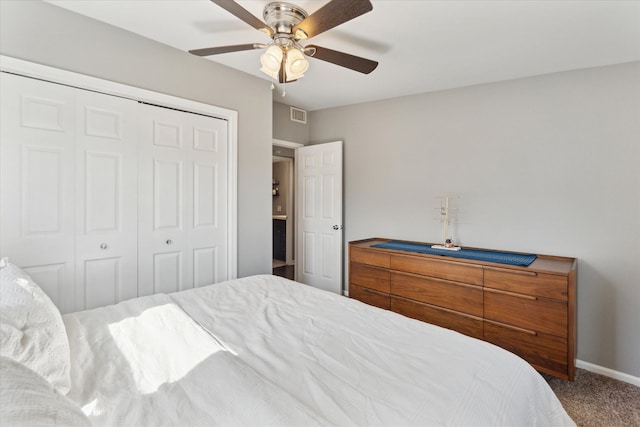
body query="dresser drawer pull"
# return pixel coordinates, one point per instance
(511, 294)
(436, 307)
(514, 328)
(520, 272)
(371, 291)
(395, 274)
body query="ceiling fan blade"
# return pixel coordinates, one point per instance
(346, 60)
(225, 49)
(330, 15)
(243, 14)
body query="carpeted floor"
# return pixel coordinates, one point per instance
(284, 271)
(594, 400)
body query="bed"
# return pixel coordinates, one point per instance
(263, 350)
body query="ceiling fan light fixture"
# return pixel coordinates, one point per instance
(272, 74)
(295, 64)
(271, 60)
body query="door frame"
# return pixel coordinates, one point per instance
(81, 81)
(291, 201)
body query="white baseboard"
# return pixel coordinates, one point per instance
(608, 372)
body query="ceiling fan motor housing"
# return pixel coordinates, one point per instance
(282, 17)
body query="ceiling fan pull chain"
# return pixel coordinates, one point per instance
(283, 69)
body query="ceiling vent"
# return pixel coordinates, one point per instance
(298, 115)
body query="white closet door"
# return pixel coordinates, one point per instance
(207, 224)
(37, 202)
(106, 216)
(182, 200)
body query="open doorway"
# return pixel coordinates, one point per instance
(283, 210)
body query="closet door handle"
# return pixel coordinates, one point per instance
(169, 241)
(103, 246)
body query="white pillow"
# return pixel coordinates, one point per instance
(31, 327)
(27, 399)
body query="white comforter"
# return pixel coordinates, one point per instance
(267, 351)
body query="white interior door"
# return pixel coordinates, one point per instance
(37, 194)
(106, 193)
(319, 216)
(182, 200)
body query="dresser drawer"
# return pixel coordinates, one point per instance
(465, 324)
(443, 293)
(547, 353)
(527, 312)
(369, 277)
(369, 296)
(455, 271)
(369, 257)
(527, 282)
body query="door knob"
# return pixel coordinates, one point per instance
(337, 227)
(169, 242)
(103, 246)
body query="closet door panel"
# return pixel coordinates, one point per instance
(162, 254)
(168, 272)
(103, 280)
(168, 194)
(106, 215)
(37, 194)
(204, 266)
(183, 200)
(43, 191)
(207, 226)
(52, 279)
(167, 242)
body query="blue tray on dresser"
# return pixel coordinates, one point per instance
(510, 258)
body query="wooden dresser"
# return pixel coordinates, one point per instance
(529, 311)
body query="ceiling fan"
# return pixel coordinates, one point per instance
(288, 24)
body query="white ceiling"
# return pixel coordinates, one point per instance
(422, 46)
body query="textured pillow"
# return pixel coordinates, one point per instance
(27, 399)
(31, 327)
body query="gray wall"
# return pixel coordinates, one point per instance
(547, 164)
(43, 33)
(285, 129)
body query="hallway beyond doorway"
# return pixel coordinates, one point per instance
(286, 271)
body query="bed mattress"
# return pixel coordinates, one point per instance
(264, 350)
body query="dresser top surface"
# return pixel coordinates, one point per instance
(543, 263)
